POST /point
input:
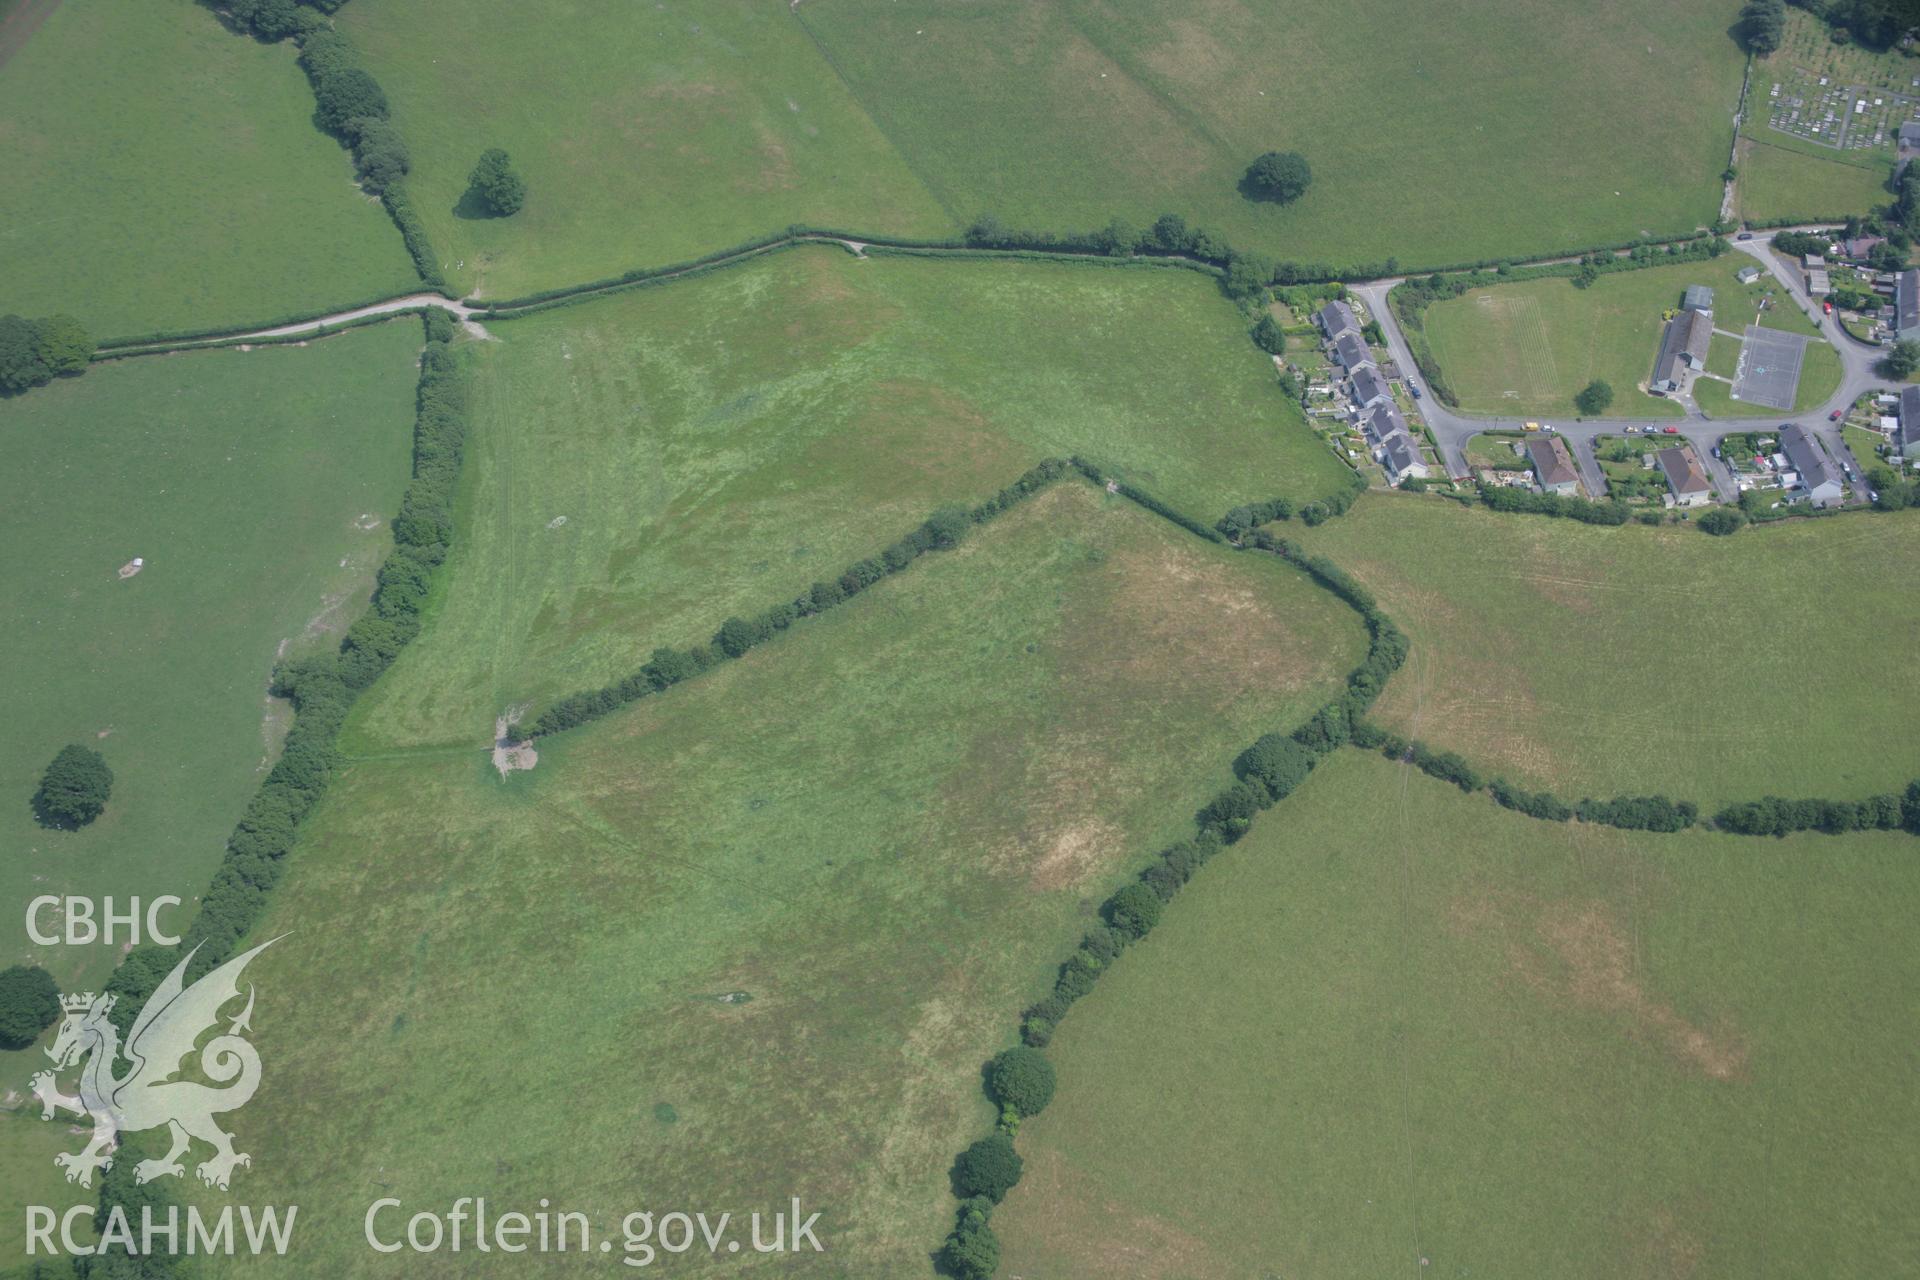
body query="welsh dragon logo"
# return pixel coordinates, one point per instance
(150, 1094)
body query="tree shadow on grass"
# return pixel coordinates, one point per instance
(473, 207)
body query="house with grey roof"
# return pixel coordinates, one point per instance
(1351, 352)
(1747, 275)
(1337, 318)
(1553, 466)
(1859, 247)
(1698, 298)
(1380, 422)
(1369, 388)
(1683, 348)
(1906, 304)
(1906, 437)
(1810, 464)
(1686, 476)
(1910, 136)
(1400, 457)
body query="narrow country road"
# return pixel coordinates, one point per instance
(1451, 429)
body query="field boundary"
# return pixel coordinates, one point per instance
(322, 690)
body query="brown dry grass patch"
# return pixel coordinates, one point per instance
(1579, 954)
(1102, 1232)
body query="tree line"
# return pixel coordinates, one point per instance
(942, 531)
(1020, 1080)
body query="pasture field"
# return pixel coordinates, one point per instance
(239, 479)
(751, 939)
(163, 173)
(1601, 661)
(647, 134)
(1782, 182)
(646, 464)
(1400, 1031)
(1528, 348)
(1436, 135)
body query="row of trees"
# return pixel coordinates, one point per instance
(1773, 816)
(941, 531)
(322, 688)
(1500, 497)
(1020, 1080)
(35, 352)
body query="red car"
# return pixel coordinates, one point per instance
(1835, 415)
(1828, 306)
(1672, 431)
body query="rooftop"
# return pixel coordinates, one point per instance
(1551, 461)
(1684, 471)
(1806, 456)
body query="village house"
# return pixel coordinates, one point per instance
(1906, 436)
(1906, 304)
(1351, 352)
(1369, 388)
(1553, 466)
(1337, 318)
(1686, 476)
(1809, 464)
(1400, 457)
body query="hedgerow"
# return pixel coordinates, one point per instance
(322, 689)
(941, 531)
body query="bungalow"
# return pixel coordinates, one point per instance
(1859, 247)
(1351, 352)
(1906, 438)
(1906, 304)
(1337, 318)
(1806, 457)
(1400, 457)
(1369, 388)
(1697, 298)
(1686, 476)
(1553, 465)
(1683, 347)
(1910, 136)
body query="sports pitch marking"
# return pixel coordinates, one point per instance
(1768, 371)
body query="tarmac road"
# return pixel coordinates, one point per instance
(1451, 428)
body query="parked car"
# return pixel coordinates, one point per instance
(1413, 389)
(1546, 426)
(1744, 235)
(1672, 431)
(1633, 431)
(1827, 307)
(1836, 415)
(1533, 426)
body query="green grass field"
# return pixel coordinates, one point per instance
(163, 173)
(1529, 348)
(1400, 1031)
(714, 446)
(883, 828)
(647, 135)
(1602, 661)
(663, 133)
(1436, 136)
(1781, 182)
(238, 478)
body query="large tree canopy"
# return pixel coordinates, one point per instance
(29, 1004)
(74, 789)
(1282, 176)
